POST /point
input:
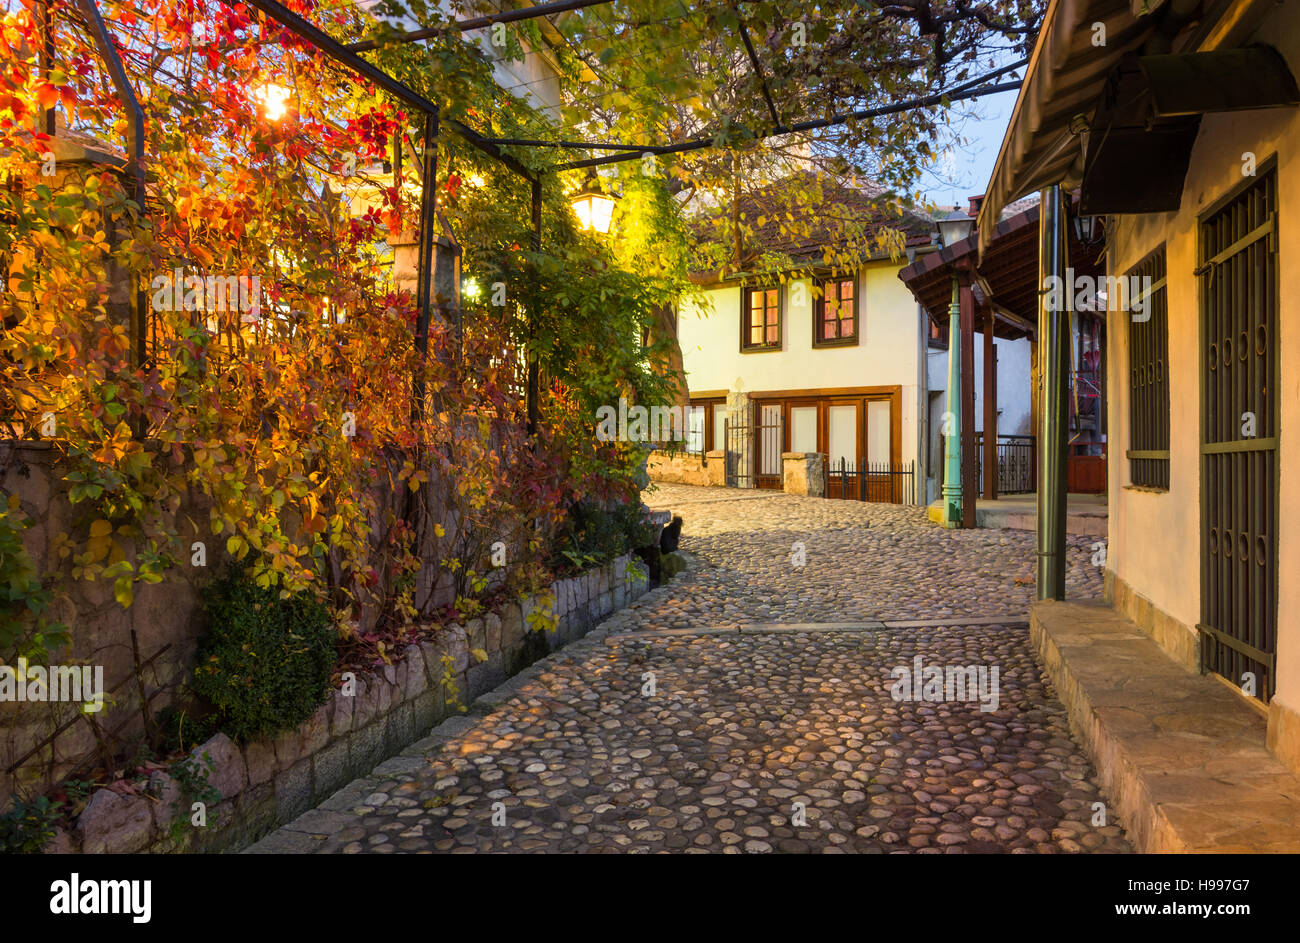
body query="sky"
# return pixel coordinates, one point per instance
(969, 166)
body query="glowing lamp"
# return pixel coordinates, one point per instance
(593, 206)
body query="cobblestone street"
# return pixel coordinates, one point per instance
(713, 716)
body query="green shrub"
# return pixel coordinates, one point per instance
(26, 827)
(596, 535)
(265, 663)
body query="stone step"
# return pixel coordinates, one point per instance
(1182, 756)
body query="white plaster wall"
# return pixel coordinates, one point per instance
(886, 355)
(1013, 385)
(1155, 540)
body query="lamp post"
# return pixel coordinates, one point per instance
(594, 207)
(953, 228)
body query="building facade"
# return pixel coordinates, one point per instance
(1183, 131)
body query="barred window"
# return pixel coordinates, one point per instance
(1148, 346)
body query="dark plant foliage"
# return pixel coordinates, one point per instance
(265, 663)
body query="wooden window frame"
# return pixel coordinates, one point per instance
(1148, 452)
(819, 311)
(708, 402)
(745, 294)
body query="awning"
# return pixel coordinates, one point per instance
(1080, 45)
(1057, 99)
(1006, 277)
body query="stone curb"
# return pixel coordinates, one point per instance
(769, 628)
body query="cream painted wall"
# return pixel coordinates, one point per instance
(888, 353)
(1154, 542)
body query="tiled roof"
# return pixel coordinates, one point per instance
(841, 217)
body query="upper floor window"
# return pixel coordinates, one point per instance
(760, 319)
(836, 314)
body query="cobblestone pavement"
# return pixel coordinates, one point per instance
(862, 561)
(669, 729)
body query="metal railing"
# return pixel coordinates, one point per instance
(1016, 463)
(880, 482)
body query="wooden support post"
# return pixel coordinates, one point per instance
(990, 409)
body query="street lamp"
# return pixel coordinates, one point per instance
(955, 227)
(1088, 230)
(595, 207)
(273, 98)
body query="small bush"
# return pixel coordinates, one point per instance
(26, 827)
(596, 535)
(265, 663)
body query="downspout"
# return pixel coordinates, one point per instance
(1053, 360)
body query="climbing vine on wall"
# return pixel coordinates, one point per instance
(276, 389)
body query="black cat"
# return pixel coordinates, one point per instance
(671, 534)
(651, 556)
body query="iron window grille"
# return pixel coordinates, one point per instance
(1148, 452)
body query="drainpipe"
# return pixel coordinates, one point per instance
(1053, 359)
(952, 496)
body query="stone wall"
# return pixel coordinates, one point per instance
(804, 473)
(43, 743)
(266, 784)
(162, 624)
(681, 468)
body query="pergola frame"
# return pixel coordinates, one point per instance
(347, 55)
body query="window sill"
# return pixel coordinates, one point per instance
(850, 342)
(776, 348)
(1146, 489)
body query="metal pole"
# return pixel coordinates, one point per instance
(478, 22)
(952, 497)
(340, 53)
(1053, 340)
(45, 16)
(135, 145)
(424, 272)
(966, 90)
(534, 368)
(990, 409)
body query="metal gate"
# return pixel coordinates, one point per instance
(769, 444)
(1239, 428)
(754, 448)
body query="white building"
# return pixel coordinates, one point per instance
(831, 361)
(845, 364)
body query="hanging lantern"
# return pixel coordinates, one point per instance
(593, 206)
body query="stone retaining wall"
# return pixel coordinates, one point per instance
(266, 784)
(40, 745)
(681, 468)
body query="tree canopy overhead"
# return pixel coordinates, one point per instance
(655, 73)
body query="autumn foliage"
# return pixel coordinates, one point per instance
(292, 420)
